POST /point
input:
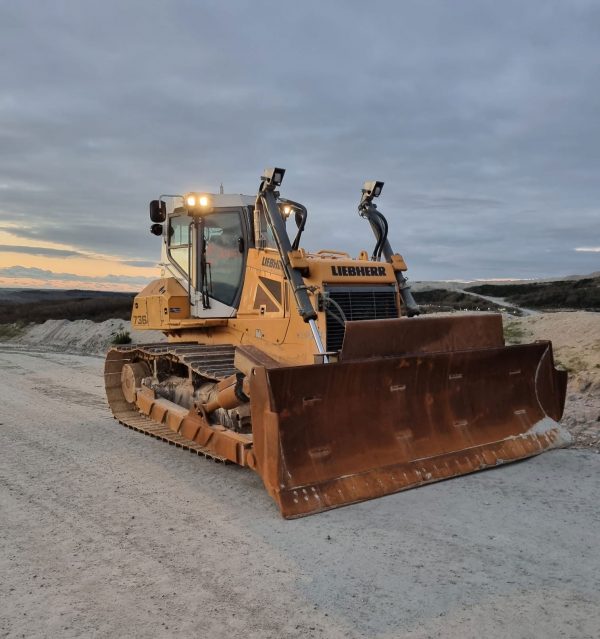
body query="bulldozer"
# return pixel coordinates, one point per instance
(316, 369)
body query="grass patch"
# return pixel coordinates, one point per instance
(8, 331)
(573, 364)
(122, 337)
(576, 364)
(514, 333)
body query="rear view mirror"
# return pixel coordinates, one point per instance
(156, 229)
(158, 211)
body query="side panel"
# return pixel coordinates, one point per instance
(139, 313)
(263, 316)
(160, 303)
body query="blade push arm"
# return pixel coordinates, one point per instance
(266, 201)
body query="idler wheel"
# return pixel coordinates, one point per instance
(131, 378)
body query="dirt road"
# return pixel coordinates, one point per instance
(107, 533)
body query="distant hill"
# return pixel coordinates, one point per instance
(580, 294)
(436, 300)
(39, 305)
(40, 294)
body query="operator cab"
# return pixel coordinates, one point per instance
(206, 239)
(205, 243)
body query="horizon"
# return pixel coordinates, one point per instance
(503, 280)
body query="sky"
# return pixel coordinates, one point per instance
(482, 118)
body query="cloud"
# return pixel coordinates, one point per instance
(139, 263)
(25, 272)
(86, 237)
(480, 117)
(111, 239)
(37, 250)
(588, 249)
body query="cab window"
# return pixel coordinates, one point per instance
(223, 236)
(265, 234)
(180, 241)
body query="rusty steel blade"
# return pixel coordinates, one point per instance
(335, 434)
(427, 334)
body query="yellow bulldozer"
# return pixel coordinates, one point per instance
(316, 370)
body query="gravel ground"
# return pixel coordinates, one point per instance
(107, 533)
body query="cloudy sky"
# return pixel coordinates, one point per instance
(482, 118)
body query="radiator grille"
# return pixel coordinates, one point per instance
(359, 303)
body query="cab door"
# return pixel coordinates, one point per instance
(209, 254)
(224, 236)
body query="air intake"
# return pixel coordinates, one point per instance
(359, 303)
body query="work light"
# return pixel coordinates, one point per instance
(197, 202)
(273, 176)
(372, 189)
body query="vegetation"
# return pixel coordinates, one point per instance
(581, 294)
(440, 299)
(69, 305)
(122, 337)
(8, 331)
(513, 333)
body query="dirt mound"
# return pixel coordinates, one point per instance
(576, 340)
(81, 336)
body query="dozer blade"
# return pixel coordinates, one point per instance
(370, 425)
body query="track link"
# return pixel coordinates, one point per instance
(142, 424)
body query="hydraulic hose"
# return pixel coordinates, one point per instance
(369, 211)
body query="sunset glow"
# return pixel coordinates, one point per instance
(28, 264)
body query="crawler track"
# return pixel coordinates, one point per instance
(211, 362)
